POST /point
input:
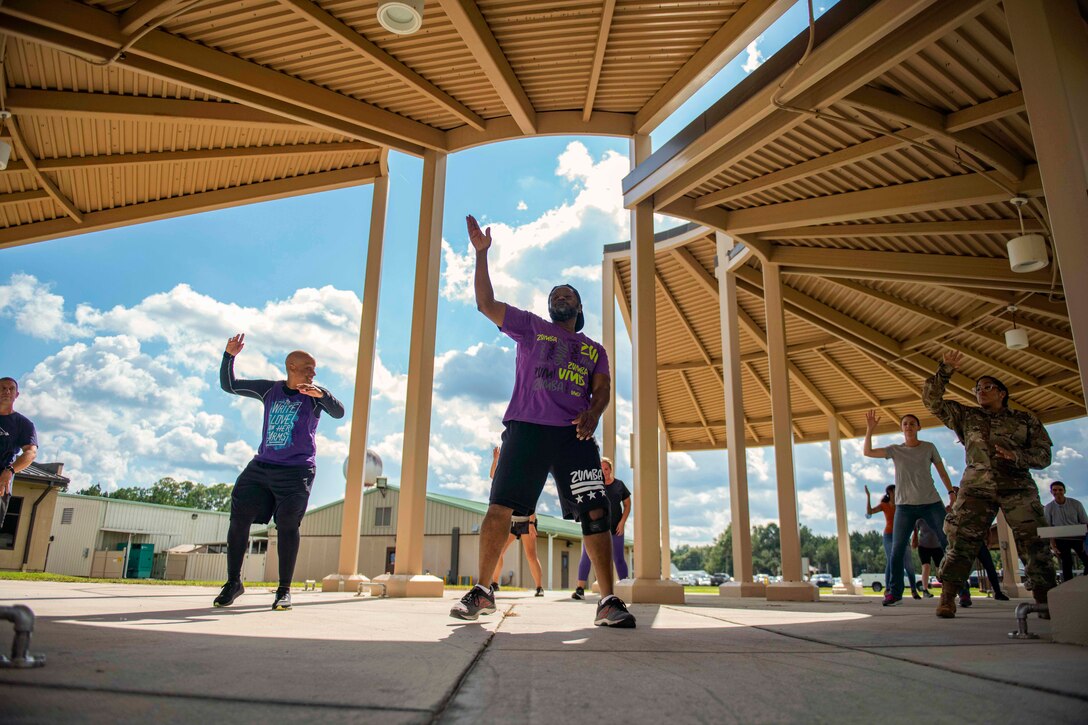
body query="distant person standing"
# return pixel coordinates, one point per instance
(619, 500)
(887, 507)
(18, 442)
(276, 483)
(519, 526)
(1065, 511)
(1001, 446)
(915, 495)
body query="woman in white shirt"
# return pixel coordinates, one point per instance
(915, 495)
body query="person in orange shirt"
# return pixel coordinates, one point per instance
(887, 507)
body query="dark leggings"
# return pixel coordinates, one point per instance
(238, 543)
(617, 558)
(987, 562)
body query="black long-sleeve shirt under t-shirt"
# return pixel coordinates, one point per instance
(289, 436)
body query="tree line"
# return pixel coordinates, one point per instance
(167, 491)
(866, 548)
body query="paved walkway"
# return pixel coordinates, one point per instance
(161, 653)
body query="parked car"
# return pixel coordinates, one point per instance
(704, 581)
(719, 578)
(823, 580)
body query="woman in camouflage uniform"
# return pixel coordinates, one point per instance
(1001, 445)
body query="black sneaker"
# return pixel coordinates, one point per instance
(229, 592)
(914, 593)
(283, 599)
(1001, 597)
(928, 594)
(539, 592)
(965, 599)
(478, 601)
(612, 612)
(579, 593)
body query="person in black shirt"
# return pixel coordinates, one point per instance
(18, 442)
(620, 500)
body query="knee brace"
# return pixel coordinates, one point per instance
(598, 526)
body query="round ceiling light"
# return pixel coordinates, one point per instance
(1027, 253)
(1016, 338)
(402, 17)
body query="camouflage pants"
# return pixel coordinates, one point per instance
(969, 521)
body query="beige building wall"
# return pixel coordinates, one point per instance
(12, 559)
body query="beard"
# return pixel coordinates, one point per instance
(561, 312)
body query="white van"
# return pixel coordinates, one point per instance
(876, 581)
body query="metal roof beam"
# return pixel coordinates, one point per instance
(598, 58)
(750, 20)
(44, 181)
(368, 51)
(897, 108)
(470, 24)
(189, 204)
(142, 12)
(917, 196)
(904, 229)
(72, 26)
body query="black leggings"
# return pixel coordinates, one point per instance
(238, 543)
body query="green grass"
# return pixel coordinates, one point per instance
(48, 577)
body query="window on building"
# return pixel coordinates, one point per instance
(66, 516)
(383, 516)
(10, 526)
(258, 546)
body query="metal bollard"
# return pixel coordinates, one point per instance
(1022, 611)
(21, 658)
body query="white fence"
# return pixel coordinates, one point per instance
(205, 567)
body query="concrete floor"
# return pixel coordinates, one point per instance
(137, 653)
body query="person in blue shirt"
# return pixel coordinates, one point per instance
(18, 442)
(276, 483)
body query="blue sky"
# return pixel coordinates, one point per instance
(116, 337)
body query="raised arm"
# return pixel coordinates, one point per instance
(485, 293)
(869, 510)
(871, 421)
(230, 384)
(494, 461)
(329, 403)
(947, 411)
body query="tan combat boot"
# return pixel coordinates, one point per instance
(947, 607)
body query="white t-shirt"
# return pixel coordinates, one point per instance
(913, 477)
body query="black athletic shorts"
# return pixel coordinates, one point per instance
(265, 490)
(530, 452)
(930, 556)
(520, 528)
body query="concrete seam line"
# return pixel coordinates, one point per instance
(215, 698)
(875, 653)
(444, 705)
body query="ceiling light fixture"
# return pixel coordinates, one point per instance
(1027, 252)
(1017, 337)
(402, 17)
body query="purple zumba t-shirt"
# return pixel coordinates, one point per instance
(554, 371)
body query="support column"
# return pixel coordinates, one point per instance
(792, 587)
(663, 478)
(347, 577)
(1010, 560)
(608, 339)
(1051, 49)
(737, 461)
(846, 560)
(407, 579)
(647, 585)
(551, 562)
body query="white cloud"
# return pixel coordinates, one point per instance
(755, 56)
(1067, 454)
(758, 464)
(36, 310)
(522, 206)
(591, 272)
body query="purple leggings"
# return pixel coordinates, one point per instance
(617, 557)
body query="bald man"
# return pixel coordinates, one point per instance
(276, 483)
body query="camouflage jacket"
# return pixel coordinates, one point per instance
(978, 431)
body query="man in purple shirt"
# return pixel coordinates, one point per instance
(561, 387)
(18, 442)
(276, 483)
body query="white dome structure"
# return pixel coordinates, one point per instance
(371, 469)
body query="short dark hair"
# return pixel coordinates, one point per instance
(12, 380)
(997, 384)
(1056, 483)
(910, 415)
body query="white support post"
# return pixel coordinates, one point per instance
(347, 577)
(792, 587)
(608, 339)
(663, 477)
(408, 579)
(838, 482)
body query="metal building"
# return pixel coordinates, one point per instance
(24, 532)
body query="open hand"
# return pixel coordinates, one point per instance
(871, 420)
(953, 358)
(235, 344)
(481, 240)
(312, 390)
(6, 477)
